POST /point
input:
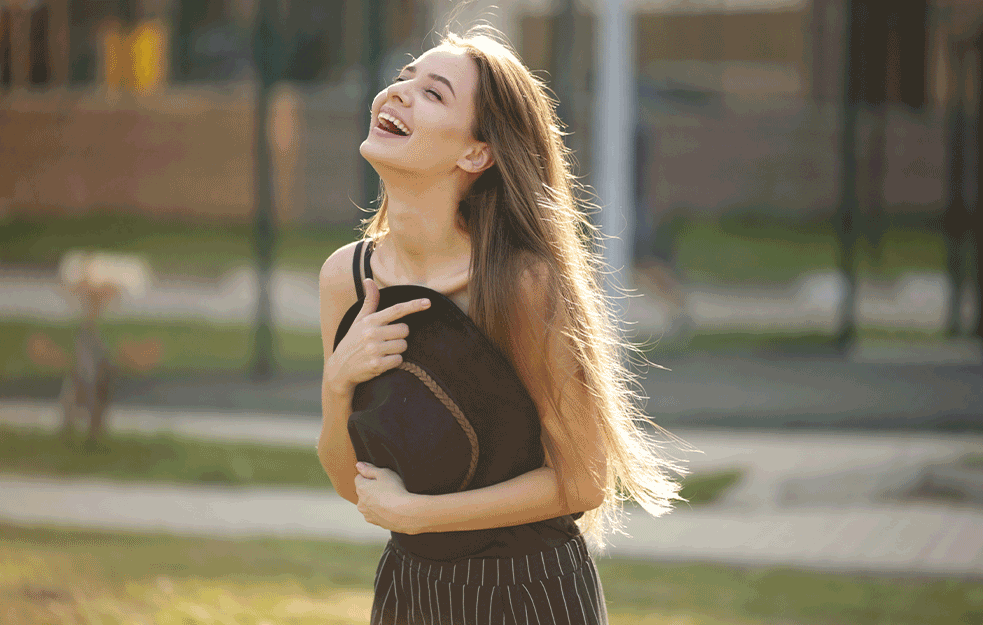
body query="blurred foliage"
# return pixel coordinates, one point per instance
(187, 348)
(162, 458)
(204, 249)
(66, 576)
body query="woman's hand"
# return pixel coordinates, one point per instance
(373, 344)
(384, 501)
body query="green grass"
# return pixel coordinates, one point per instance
(161, 457)
(65, 576)
(171, 246)
(169, 458)
(734, 250)
(788, 343)
(704, 488)
(187, 348)
(972, 460)
(194, 348)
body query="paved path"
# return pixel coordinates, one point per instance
(884, 538)
(807, 500)
(780, 467)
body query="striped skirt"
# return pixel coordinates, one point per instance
(557, 586)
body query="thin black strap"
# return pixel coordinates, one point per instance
(368, 255)
(359, 292)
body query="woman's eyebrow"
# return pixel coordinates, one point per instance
(412, 69)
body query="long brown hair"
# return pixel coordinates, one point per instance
(523, 210)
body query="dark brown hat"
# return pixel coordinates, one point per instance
(454, 415)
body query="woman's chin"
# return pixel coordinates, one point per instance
(381, 144)
(375, 153)
(382, 159)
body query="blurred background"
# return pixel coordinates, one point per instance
(791, 190)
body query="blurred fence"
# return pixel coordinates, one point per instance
(186, 151)
(189, 151)
(775, 155)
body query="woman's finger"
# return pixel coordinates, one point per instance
(402, 309)
(371, 301)
(394, 331)
(381, 364)
(397, 346)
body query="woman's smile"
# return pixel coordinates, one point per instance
(376, 130)
(390, 123)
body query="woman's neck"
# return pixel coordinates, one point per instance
(424, 242)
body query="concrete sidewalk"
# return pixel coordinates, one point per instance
(779, 466)
(922, 539)
(853, 521)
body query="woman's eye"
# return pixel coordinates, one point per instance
(433, 91)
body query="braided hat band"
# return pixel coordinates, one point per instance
(455, 410)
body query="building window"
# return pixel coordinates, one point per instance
(5, 48)
(86, 17)
(208, 43)
(39, 55)
(316, 31)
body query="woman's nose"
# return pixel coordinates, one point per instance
(397, 90)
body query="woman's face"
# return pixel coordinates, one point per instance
(433, 98)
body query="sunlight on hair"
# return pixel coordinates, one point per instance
(529, 213)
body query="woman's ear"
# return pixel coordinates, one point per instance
(477, 159)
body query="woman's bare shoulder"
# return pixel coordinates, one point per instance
(336, 272)
(337, 292)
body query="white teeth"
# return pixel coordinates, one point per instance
(395, 122)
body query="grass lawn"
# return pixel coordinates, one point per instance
(190, 348)
(732, 250)
(187, 348)
(171, 246)
(161, 457)
(167, 458)
(803, 343)
(64, 576)
(735, 251)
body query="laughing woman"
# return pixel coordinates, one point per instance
(478, 205)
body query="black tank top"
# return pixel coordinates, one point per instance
(498, 542)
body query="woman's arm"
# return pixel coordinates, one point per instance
(334, 447)
(533, 496)
(373, 344)
(530, 497)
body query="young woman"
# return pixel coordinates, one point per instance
(478, 203)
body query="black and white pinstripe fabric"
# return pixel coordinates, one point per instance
(558, 586)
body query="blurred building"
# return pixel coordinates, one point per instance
(147, 104)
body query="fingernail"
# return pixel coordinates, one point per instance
(425, 302)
